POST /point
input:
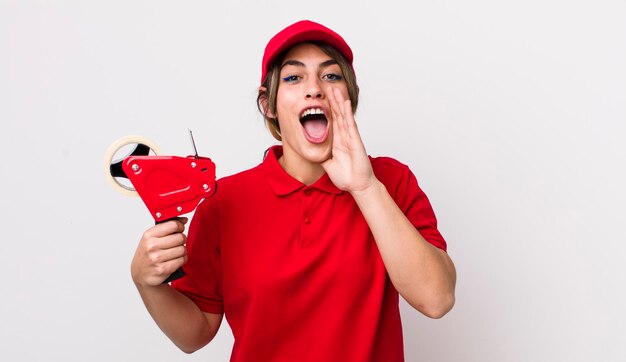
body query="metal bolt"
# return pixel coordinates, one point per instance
(193, 165)
(135, 167)
(179, 209)
(158, 215)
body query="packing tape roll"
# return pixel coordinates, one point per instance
(113, 150)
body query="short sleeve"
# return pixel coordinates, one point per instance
(403, 187)
(202, 282)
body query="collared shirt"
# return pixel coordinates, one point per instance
(295, 268)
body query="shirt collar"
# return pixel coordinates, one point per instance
(283, 184)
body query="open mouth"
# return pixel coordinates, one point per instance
(315, 124)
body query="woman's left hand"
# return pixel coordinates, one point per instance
(349, 168)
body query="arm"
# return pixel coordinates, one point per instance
(423, 274)
(160, 252)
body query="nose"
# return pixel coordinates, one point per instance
(314, 90)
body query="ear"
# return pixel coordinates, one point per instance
(263, 102)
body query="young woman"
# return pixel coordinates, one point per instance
(306, 254)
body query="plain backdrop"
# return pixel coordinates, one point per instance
(511, 114)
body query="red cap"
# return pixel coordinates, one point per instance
(299, 32)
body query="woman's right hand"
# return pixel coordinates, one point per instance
(160, 252)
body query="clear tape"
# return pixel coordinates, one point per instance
(111, 152)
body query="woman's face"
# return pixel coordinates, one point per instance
(307, 76)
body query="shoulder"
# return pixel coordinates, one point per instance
(389, 169)
(388, 164)
(395, 175)
(231, 185)
(243, 177)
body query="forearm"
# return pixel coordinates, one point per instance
(178, 317)
(423, 274)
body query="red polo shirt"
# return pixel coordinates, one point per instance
(295, 268)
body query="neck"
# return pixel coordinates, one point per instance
(302, 170)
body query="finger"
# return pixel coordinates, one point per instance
(351, 128)
(166, 228)
(155, 246)
(338, 114)
(164, 256)
(164, 270)
(175, 225)
(339, 108)
(335, 116)
(345, 105)
(346, 109)
(334, 105)
(169, 241)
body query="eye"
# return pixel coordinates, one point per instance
(290, 78)
(332, 77)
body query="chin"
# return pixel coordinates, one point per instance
(318, 153)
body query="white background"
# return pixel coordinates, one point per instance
(511, 114)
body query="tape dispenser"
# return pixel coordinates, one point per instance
(170, 186)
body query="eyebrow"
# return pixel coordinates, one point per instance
(298, 63)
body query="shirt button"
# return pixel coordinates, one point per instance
(308, 192)
(307, 220)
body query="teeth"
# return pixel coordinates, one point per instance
(312, 111)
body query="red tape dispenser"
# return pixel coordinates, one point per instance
(169, 186)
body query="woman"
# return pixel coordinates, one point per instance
(307, 253)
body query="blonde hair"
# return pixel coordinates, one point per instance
(268, 92)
